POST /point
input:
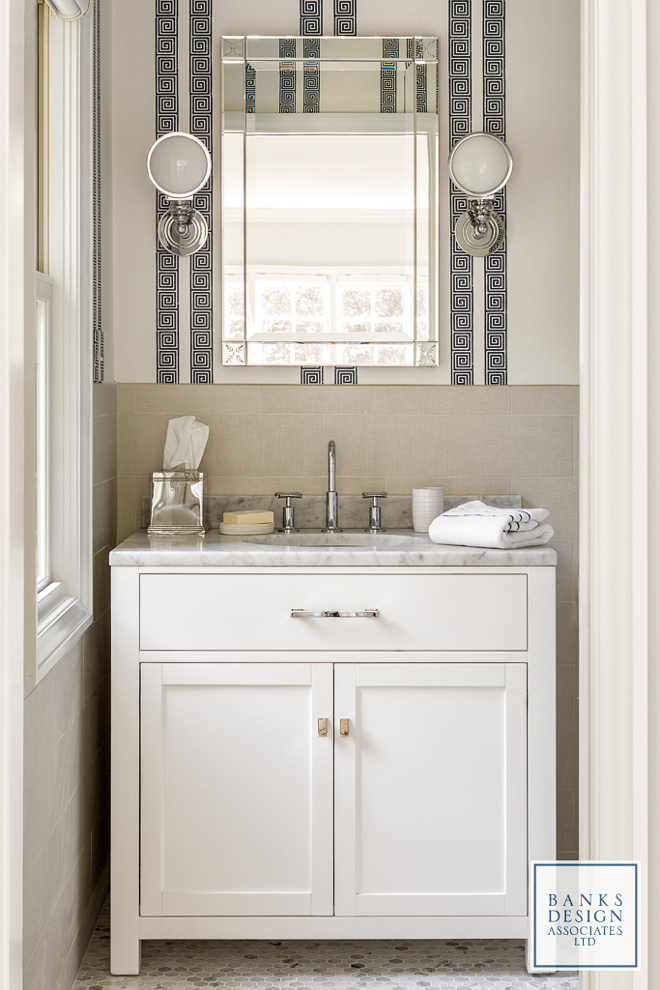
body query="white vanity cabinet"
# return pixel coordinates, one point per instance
(280, 777)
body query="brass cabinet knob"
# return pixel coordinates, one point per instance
(323, 726)
(343, 726)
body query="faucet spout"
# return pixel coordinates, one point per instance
(331, 495)
(332, 466)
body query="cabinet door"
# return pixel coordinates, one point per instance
(236, 789)
(430, 789)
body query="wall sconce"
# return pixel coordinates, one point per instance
(69, 10)
(179, 165)
(480, 165)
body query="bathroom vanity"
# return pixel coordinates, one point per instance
(328, 741)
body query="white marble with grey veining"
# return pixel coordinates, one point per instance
(414, 550)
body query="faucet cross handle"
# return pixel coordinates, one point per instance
(374, 511)
(288, 522)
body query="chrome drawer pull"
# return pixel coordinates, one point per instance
(301, 613)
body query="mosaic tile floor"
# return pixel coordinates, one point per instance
(293, 965)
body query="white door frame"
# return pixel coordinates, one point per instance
(16, 268)
(617, 454)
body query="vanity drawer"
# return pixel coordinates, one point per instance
(458, 612)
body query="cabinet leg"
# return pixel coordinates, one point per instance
(125, 955)
(531, 968)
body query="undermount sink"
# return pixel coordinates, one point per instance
(316, 539)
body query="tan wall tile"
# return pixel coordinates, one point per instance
(484, 485)
(50, 790)
(545, 400)
(537, 446)
(291, 445)
(576, 570)
(566, 821)
(101, 581)
(404, 486)
(566, 690)
(197, 400)
(564, 550)
(128, 519)
(126, 398)
(319, 399)
(44, 882)
(104, 398)
(51, 708)
(105, 513)
(308, 485)
(567, 764)
(449, 400)
(219, 484)
(105, 448)
(558, 495)
(96, 655)
(567, 632)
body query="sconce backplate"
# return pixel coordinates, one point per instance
(479, 246)
(185, 234)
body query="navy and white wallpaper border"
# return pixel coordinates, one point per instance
(461, 288)
(167, 120)
(494, 122)
(201, 125)
(345, 22)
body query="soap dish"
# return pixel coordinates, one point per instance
(237, 529)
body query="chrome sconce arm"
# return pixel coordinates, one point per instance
(480, 165)
(179, 165)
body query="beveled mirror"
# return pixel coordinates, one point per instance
(329, 201)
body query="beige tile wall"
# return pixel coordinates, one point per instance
(517, 440)
(67, 761)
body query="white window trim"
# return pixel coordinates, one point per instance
(64, 606)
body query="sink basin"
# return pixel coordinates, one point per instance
(316, 539)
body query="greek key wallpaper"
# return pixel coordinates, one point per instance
(507, 67)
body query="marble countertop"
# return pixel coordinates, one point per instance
(410, 550)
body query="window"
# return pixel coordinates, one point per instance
(63, 376)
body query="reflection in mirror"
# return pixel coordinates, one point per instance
(329, 201)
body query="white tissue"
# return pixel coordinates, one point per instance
(185, 444)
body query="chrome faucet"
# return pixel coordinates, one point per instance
(331, 495)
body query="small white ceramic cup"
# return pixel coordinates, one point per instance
(427, 504)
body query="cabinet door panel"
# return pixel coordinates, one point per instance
(430, 798)
(236, 789)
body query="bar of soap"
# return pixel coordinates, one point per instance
(248, 517)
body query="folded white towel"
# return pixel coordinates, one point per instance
(475, 524)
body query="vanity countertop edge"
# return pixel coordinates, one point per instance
(215, 550)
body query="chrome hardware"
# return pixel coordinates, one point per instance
(331, 495)
(288, 523)
(301, 613)
(374, 511)
(177, 503)
(343, 726)
(323, 726)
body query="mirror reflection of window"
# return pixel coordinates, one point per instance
(329, 204)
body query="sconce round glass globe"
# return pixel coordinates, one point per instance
(480, 164)
(179, 165)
